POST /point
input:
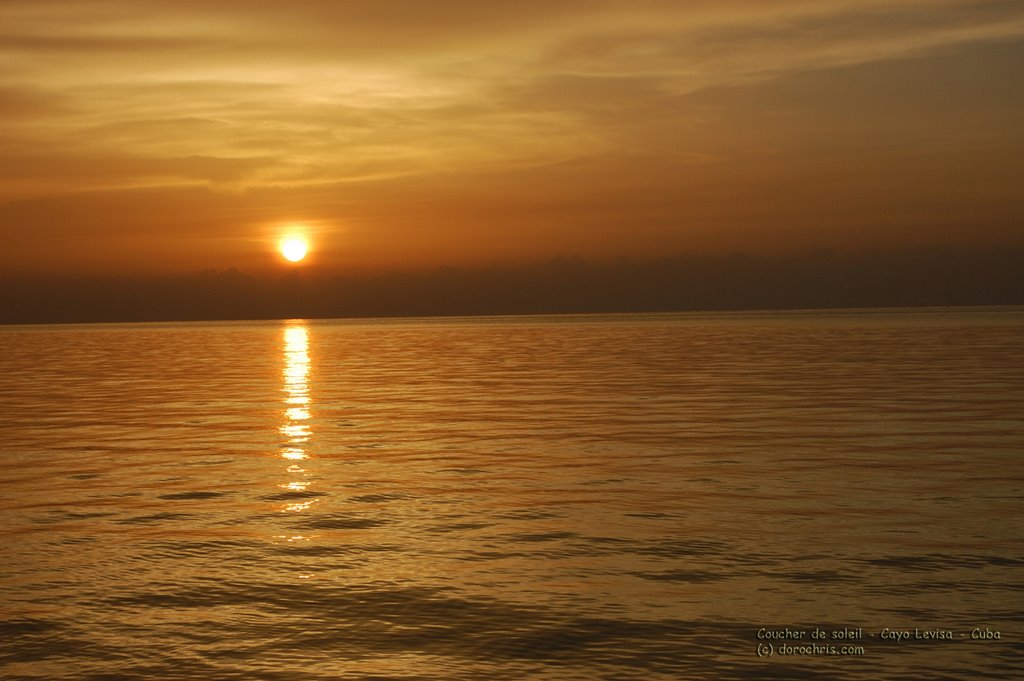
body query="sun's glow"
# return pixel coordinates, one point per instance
(294, 249)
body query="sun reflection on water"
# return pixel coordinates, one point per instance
(297, 414)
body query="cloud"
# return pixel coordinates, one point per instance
(460, 129)
(560, 285)
(427, 86)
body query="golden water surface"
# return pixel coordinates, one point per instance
(584, 497)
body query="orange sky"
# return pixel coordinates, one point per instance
(174, 136)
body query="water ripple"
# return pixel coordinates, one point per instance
(556, 497)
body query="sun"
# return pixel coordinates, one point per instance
(294, 248)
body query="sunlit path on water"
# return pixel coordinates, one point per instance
(296, 428)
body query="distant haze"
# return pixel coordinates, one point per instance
(149, 141)
(561, 285)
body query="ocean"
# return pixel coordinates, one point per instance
(772, 495)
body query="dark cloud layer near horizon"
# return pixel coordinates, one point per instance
(162, 138)
(737, 281)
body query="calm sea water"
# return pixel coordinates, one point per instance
(595, 497)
